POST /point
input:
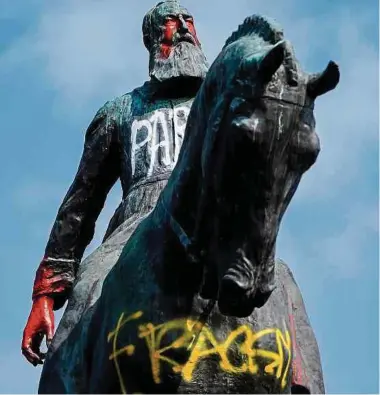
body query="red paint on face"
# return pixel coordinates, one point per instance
(166, 49)
(173, 26)
(191, 27)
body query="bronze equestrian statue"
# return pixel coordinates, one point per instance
(185, 294)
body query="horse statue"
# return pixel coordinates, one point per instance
(197, 302)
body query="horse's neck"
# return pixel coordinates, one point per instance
(182, 193)
(177, 277)
(175, 216)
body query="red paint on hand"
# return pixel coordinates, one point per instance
(40, 323)
(47, 282)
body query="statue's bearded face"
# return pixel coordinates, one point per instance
(175, 50)
(177, 28)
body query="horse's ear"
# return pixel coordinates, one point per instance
(323, 82)
(271, 61)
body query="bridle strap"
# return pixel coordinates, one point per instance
(187, 242)
(182, 236)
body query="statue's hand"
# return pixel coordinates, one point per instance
(40, 323)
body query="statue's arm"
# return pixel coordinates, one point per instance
(307, 376)
(74, 226)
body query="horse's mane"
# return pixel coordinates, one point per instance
(260, 26)
(266, 31)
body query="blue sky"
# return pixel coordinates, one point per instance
(60, 61)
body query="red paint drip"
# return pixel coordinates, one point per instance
(297, 376)
(191, 27)
(166, 50)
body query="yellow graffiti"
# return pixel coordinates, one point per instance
(154, 334)
(129, 350)
(199, 340)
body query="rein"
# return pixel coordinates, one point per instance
(187, 242)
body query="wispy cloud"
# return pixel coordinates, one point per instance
(342, 251)
(85, 48)
(35, 194)
(347, 119)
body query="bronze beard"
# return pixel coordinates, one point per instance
(185, 60)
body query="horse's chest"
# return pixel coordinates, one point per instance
(220, 355)
(231, 355)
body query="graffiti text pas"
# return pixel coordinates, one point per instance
(154, 134)
(201, 343)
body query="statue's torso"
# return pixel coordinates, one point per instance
(150, 131)
(151, 136)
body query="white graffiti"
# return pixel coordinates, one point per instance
(158, 130)
(280, 118)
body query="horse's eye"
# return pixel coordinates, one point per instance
(305, 127)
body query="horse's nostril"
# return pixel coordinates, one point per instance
(232, 291)
(233, 298)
